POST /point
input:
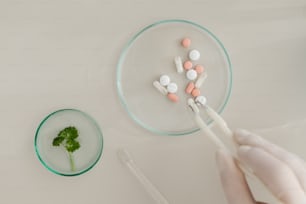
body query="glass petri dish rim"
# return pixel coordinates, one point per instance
(50, 168)
(121, 62)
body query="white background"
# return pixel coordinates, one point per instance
(63, 54)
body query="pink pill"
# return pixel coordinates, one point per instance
(187, 65)
(199, 69)
(195, 92)
(189, 87)
(173, 97)
(186, 42)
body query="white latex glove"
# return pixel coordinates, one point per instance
(282, 172)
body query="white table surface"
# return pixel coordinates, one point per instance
(63, 54)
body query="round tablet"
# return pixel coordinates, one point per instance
(172, 88)
(191, 74)
(164, 80)
(187, 65)
(201, 100)
(194, 55)
(199, 69)
(186, 42)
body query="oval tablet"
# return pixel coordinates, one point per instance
(195, 92)
(173, 97)
(189, 87)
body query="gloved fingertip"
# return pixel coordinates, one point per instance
(244, 152)
(244, 148)
(240, 135)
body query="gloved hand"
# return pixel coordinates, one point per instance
(282, 172)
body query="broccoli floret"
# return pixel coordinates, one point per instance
(57, 141)
(70, 133)
(67, 139)
(72, 145)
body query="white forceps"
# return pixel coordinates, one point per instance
(220, 122)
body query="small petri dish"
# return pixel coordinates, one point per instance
(149, 54)
(55, 158)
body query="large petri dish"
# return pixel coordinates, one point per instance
(149, 54)
(55, 158)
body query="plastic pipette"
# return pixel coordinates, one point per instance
(127, 160)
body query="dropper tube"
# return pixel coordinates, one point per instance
(127, 160)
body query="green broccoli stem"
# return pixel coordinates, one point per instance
(72, 164)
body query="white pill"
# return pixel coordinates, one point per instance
(194, 55)
(191, 74)
(178, 64)
(172, 88)
(201, 100)
(201, 80)
(160, 88)
(164, 80)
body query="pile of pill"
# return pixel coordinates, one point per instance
(195, 75)
(166, 87)
(194, 72)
